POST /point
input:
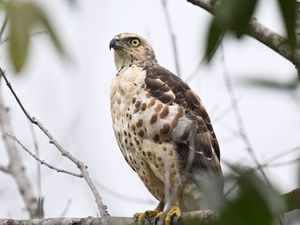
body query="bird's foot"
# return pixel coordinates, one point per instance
(173, 213)
(140, 216)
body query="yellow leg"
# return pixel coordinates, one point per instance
(140, 216)
(173, 211)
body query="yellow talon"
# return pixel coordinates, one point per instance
(140, 216)
(174, 211)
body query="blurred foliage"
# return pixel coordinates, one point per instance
(261, 82)
(254, 202)
(23, 18)
(234, 16)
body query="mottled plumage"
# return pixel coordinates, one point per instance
(161, 126)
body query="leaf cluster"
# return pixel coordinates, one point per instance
(234, 16)
(23, 18)
(255, 202)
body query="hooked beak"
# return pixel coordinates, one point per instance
(114, 43)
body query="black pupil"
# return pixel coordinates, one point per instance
(134, 42)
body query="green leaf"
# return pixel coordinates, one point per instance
(256, 203)
(235, 15)
(23, 18)
(288, 10)
(214, 38)
(19, 22)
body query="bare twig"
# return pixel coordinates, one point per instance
(16, 167)
(284, 163)
(237, 113)
(2, 29)
(280, 155)
(64, 212)
(32, 34)
(122, 196)
(37, 153)
(39, 176)
(173, 37)
(42, 162)
(262, 34)
(83, 168)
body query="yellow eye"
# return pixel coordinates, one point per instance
(134, 42)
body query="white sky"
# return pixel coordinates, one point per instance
(72, 99)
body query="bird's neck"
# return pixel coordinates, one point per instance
(123, 61)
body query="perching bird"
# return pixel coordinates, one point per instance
(162, 129)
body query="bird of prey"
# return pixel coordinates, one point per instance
(161, 127)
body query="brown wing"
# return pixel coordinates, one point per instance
(160, 83)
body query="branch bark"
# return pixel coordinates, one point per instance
(203, 216)
(16, 168)
(262, 34)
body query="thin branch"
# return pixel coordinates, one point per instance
(2, 29)
(64, 212)
(81, 166)
(284, 163)
(238, 116)
(42, 162)
(16, 166)
(39, 173)
(262, 34)
(280, 155)
(122, 196)
(239, 120)
(4, 169)
(172, 35)
(32, 34)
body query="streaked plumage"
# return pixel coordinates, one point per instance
(160, 124)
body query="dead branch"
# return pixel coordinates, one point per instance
(42, 162)
(204, 217)
(81, 166)
(262, 34)
(16, 167)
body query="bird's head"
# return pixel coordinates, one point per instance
(131, 49)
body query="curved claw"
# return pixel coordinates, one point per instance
(140, 216)
(174, 211)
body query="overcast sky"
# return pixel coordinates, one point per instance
(72, 99)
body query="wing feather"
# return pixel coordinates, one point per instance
(198, 135)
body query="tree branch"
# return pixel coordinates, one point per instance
(16, 167)
(262, 34)
(42, 162)
(203, 216)
(81, 166)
